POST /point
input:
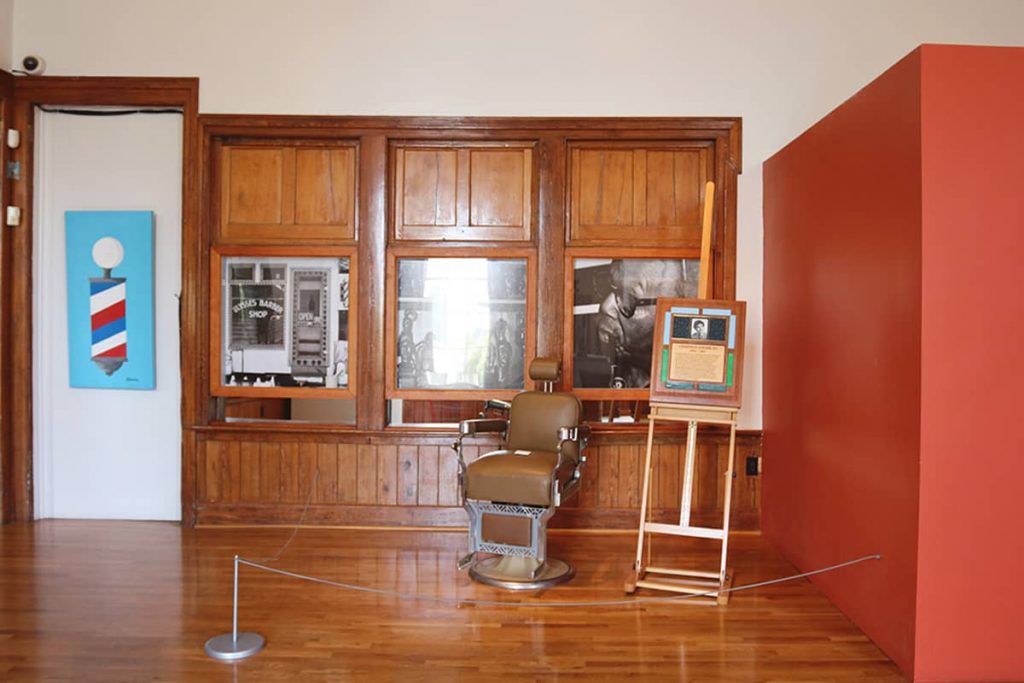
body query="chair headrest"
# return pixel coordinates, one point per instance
(545, 369)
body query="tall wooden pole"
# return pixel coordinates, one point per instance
(705, 241)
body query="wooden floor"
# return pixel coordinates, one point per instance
(133, 601)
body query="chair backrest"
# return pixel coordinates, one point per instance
(536, 416)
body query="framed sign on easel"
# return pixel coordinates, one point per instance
(696, 377)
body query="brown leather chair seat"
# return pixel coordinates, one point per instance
(522, 477)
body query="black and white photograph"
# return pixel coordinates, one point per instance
(461, 323)
(286, 322)
(703, 328)
(699, 328)
(613, 316)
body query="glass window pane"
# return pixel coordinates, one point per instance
(407, 412)
(461, 323)
(285, 322)
(613, 316)
(258, 409)
(616, 412)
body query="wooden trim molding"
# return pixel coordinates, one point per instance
(8, 483)
(16, 399)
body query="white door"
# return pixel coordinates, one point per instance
(106, 453)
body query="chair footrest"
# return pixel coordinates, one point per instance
(510, 509)
(505, 549)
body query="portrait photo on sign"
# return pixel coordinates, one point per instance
(613, 316)
(285, 322)
(689, 327)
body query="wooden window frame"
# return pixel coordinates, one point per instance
(391, 313)
(217, 254)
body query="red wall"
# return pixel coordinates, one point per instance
(842, 390)
(970, 606)
(893, 359)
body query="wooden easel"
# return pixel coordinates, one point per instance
(685, 580)
(690, 581)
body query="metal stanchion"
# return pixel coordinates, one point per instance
(234, 645)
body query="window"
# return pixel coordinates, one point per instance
(280, 320)
(461, 330)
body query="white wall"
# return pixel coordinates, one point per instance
(6, 33)
(106, 453)
(780, 64)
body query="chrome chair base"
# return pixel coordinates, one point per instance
(521, 573)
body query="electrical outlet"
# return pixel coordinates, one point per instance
(753, 465)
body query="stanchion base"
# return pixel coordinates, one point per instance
(225, 648)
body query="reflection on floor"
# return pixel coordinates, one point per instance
(130, 601)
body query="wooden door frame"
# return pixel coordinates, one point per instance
(16, 301)
(6, 460)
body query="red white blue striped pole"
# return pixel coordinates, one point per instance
(107, 310)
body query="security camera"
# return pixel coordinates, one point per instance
(34, 65)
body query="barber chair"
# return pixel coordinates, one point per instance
(511, 493)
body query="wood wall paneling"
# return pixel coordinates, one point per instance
(452, 186)
(551, 152)
(464, 192)
(287, 193)
(369, 367)
(385, 478)
(648, 193)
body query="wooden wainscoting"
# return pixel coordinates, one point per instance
(375, 479)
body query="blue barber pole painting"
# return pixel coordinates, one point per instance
(110, 299)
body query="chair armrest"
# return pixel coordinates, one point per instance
(482, 426)
(578, 433)
(495, 404)
(471, 428)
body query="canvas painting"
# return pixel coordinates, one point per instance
(110, 299)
